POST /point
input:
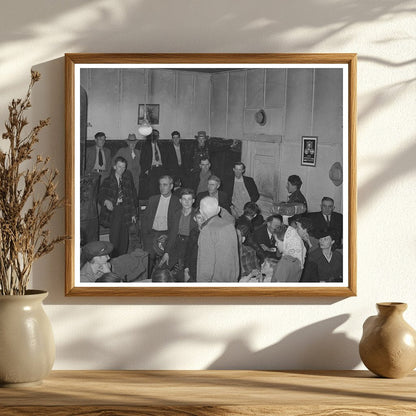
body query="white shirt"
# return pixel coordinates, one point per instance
(160, 222)
(154, 162)
(240, 195)
(96, 165)
(178, 153)
(293, 245)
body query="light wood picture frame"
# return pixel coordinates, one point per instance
(284, 86)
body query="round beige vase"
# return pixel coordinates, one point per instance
(27, 346)
(388, 345)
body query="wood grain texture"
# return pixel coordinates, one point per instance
(213, 392)
(191, 291)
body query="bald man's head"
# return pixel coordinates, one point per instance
(209, 207)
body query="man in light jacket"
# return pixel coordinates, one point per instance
(217, 246)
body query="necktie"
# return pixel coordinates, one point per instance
(272, 241)
(120, 192)
(157, 156)
(100, 158)
(327, 220)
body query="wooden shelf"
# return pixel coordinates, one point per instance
(253, 393)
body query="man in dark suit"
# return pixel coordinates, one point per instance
(198, 179)
(117, 198)
(98, 157)
(159, 217)
(178, 160)
(327, 218)
(153, 162)
(265, 237)
(241, 189)
(214, 182)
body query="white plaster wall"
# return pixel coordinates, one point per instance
(198, 333)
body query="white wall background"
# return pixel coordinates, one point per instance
(202, 333)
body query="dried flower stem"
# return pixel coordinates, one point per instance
(23, 218)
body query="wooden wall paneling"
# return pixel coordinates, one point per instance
(327, 107)
(131, 95)
(298, 104)
(264, 162)
(236, 100)
(162, 91)
(104, 102)
(255, 88)
(200, 119)
(275, 88)
(219, 104)
(184, 108)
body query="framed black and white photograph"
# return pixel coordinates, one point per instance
(210, 199)
(309, 150)
(149, 112)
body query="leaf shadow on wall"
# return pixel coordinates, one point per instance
(155, 343)
(106, 26)
(313, 347)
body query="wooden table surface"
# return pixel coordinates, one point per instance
(230, 392)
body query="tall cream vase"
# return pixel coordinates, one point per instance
(27, 346)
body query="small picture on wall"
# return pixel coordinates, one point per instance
(309, 150)
(151, 111)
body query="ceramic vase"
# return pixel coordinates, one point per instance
(388, 345)
(27, 347)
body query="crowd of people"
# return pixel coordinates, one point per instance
(197, 226)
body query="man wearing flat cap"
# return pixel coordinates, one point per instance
(96, 256)
(132, 155)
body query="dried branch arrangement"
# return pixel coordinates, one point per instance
(28, 199)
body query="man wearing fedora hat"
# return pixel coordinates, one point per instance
(206, 147)
(132, 155)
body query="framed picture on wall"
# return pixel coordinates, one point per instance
(309, 150)
(151, 111)
(212, 202)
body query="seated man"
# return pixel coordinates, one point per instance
(241, 189)
(99, 267)
(214, 182)
(95, 256)
(248, 257)
(265, 237)
(327, 218)
(177, 242)
(158, 218)
(217, 246)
